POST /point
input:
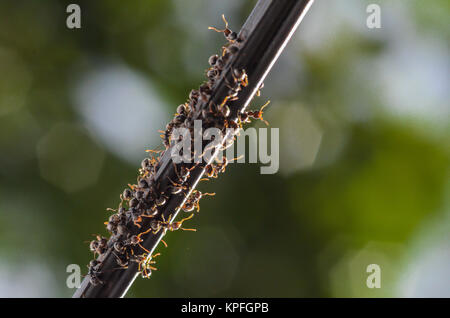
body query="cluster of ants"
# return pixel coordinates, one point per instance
(146, 199)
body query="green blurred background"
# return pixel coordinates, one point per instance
(364, 150)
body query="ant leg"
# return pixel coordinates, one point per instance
(264, 106)
(176, 184)
(156, 231)
(153, 151)
(185, 219)
(217, 160)
(193, 230)
(144, 248)
(143, 233)
(138, 220)
(235, 159)
(261, 113)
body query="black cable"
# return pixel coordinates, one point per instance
(265, 34)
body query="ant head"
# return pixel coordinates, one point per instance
(232, 36)
(127, 194)
(213, 59)
(181, 109)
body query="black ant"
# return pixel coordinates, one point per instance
(156, 226)
(134, 240)
(213, 59)
(231, 36)
(182, 109)
(99, 245)
(145, 264)
(176, 188)
(258, 114)
(111, 224)
(194, 200)
(167, 134)
(94, 273)
(240, 76)
(122, 260)
(161, 200)
(119, 247)
(213, 169)
(148, 165)
(174, 226)
(184, 172)
(127, 194)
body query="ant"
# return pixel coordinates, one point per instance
(258, 114)
(156, 226)
(136, 216)
(176, 188)
(161, 200)
(213, 59)
(119, 247)
(176, 225)
(231, 36)
(145, 264)
(111, 224)
(240, 76)
(184, 172)
(188, 206)
(94, 280)
(213, 169)
(127, 194)
(165, 135)
(122, 260)
(134, 240)
(94, 273)
(193, 200)
(182, 109)
(99, 245)
(212, 74)
(147, 214)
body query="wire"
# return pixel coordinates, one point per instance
(265, 33)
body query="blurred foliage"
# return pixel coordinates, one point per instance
(375, 180)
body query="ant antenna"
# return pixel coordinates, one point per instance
(220, 31)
